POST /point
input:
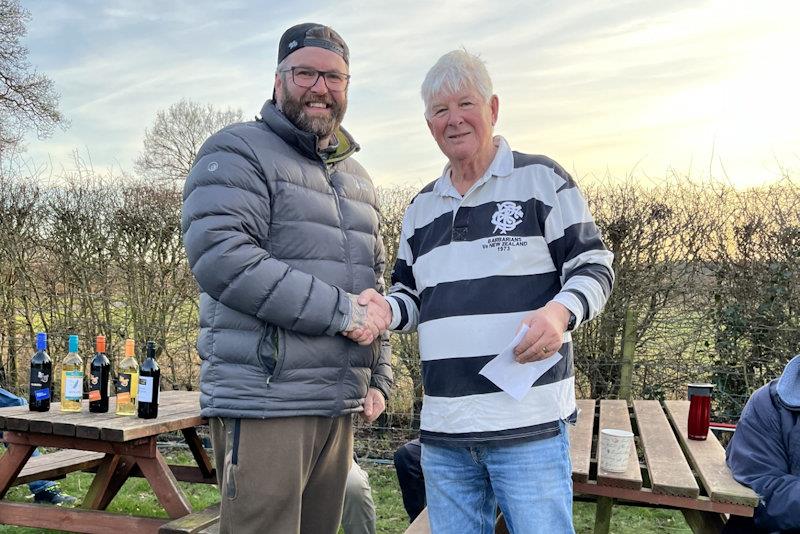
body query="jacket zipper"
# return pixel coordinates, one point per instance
(341, 221)
(349, 263)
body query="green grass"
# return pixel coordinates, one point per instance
(137, 498)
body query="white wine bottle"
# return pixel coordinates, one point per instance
(127, 381)
(72, 378)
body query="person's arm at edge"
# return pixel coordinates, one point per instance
(757, 458)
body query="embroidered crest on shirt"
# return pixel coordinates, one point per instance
(507, 217)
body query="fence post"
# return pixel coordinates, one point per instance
(628, 349)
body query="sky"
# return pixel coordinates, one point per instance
(606, 88)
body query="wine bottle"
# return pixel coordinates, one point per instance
(41, 377)
(127, 381)
(149, 382)
(72, 378)
(99, 374)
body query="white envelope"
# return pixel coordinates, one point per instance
(516, 378)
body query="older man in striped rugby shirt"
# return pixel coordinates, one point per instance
(500, 239)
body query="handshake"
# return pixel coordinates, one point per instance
(370, 315)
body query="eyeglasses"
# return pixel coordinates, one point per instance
(307, 77)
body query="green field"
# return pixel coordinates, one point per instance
(137, 498)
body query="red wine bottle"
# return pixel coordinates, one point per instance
(149, 382)
(41, 384)
(99, 376)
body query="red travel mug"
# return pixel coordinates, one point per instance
(699, 410)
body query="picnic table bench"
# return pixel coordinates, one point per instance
(114, 447)
(666, 469)
(57, 465)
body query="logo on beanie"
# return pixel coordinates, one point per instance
(292, 45)
(213, 166)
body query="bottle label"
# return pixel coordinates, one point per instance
(124, 383)
(145, 389)
(40, 385)
(94, 387)
(127, 386)
(73, 385)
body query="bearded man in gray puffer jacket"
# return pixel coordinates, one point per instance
(281, 228)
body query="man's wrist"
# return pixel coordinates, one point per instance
(348, 316)
(561, 312)
(383, 393)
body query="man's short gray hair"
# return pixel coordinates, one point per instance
(453, 72)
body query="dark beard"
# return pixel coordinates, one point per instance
(295, 111)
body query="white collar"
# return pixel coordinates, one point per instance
(502, 165)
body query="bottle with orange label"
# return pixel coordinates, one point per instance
(99, 374)
(127, 381)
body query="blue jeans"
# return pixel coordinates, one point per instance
(9, 399)
(531, 482)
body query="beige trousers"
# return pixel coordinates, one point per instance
(284, 475)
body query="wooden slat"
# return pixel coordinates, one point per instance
(669, 472)
(708, 459)
(183, 473)
(89, 427)
(580, 440)
(55, 421)
(145, 447)
(10, 411)
(75, 520)
(645, 496)
(57, 464)
(614, 414)
(92, 427)
(21, 419)
(120, 431)
(192, 523)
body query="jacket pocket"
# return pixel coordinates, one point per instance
(231, 467)
(279, 342)
(270, 352)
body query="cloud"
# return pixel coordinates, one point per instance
(596, 84)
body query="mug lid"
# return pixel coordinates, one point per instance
(700, 389)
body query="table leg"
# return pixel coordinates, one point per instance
(602, 518)
(12, 463)
(163, 482)
(110, 477)
(199, 452)
(703, 522)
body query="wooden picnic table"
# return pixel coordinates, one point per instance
(666, 469)
(128, 448)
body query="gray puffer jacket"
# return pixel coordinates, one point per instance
(275, 236)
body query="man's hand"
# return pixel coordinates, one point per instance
(546, 327)
(370, 316)
(374, 404)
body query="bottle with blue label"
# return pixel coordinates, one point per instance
(41, 384)
(72, 378)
